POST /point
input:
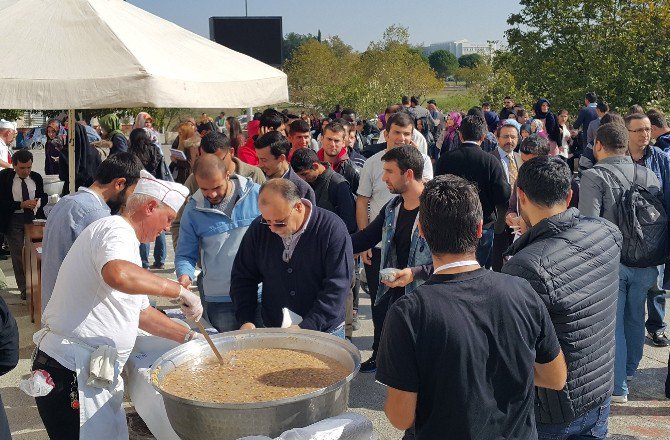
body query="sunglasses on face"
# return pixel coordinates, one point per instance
(277, 224)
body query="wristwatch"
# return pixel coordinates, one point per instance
(189, 335)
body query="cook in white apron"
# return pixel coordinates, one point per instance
(101, 413)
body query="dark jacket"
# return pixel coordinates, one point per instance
(663, 142)
(86, 162)
(332, 192)
(572, 262)
(9, 356)
(471, 163)
(314, 283)
(305, 191)
(501, 210)
(7, 203)
(584, 118)
(119, 144)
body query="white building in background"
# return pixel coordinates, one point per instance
(463, 47)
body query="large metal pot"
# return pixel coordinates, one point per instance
(193, 419)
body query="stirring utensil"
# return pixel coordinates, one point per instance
(209, 341)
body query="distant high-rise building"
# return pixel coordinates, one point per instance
(463, 47)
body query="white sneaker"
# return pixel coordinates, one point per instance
(629, 378)
(619, 399)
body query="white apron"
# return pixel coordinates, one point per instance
(101, 413)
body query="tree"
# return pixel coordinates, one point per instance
(321, 75)
(292, 41)
(10, 115)
(471, 60)
(443, 62)
(563, 49)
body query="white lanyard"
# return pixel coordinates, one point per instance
(456, 264)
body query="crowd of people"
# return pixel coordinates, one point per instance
(509, 255)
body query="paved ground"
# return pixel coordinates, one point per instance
(646, 416)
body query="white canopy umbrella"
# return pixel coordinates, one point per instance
(87, 54)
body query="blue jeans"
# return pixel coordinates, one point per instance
(592, 425)
(484, 248)
(634, 283)
(221, 315)
(339, 332)
(160, 251)
(656, 305)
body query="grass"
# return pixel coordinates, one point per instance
(454, 99)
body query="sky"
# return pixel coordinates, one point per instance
(357, 22)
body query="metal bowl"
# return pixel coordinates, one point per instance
(192, 419)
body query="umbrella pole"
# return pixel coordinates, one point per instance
(70, 148)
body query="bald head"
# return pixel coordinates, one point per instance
(209, 166)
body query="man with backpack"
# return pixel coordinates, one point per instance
(627, 194)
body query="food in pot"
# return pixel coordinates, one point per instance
(254, 375)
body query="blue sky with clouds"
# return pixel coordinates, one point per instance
(357, 22)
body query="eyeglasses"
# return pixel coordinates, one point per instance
(508, 136)
(277, 224)
(641, 130)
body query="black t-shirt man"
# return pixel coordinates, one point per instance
(466, 343)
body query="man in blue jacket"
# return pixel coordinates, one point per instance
(301, 254)
(212, 227)
(639, 137)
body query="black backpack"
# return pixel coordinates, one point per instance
(643, 222)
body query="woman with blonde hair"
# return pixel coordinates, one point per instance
(189, 143)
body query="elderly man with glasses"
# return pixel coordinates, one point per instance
(302, 255)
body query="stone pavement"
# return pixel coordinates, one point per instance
(645, 416)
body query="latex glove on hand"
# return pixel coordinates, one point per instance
(190, 304)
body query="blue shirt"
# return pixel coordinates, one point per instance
(69, 217)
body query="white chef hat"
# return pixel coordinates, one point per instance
(171, 193)
(7, 124)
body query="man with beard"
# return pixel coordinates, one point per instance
(114, 182)
(214, 221)
(508, 137)
(402, 248)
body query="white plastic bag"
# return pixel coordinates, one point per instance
(38, 384)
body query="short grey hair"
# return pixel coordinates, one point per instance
(136, 201)
(284, 187)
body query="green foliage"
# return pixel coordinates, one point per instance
(479, 74)
(618, 48)
(471, 60)
(10, 115)
(292, 41)
(443, 62)
(452, 101)
(321, 75)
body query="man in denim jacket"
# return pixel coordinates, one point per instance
(403, 248)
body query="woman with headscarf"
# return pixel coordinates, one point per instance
(451, 140)
(111, 130)
(53, 147)
(145, 150)
(144, 120)
(550, 123)
(86, 160)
